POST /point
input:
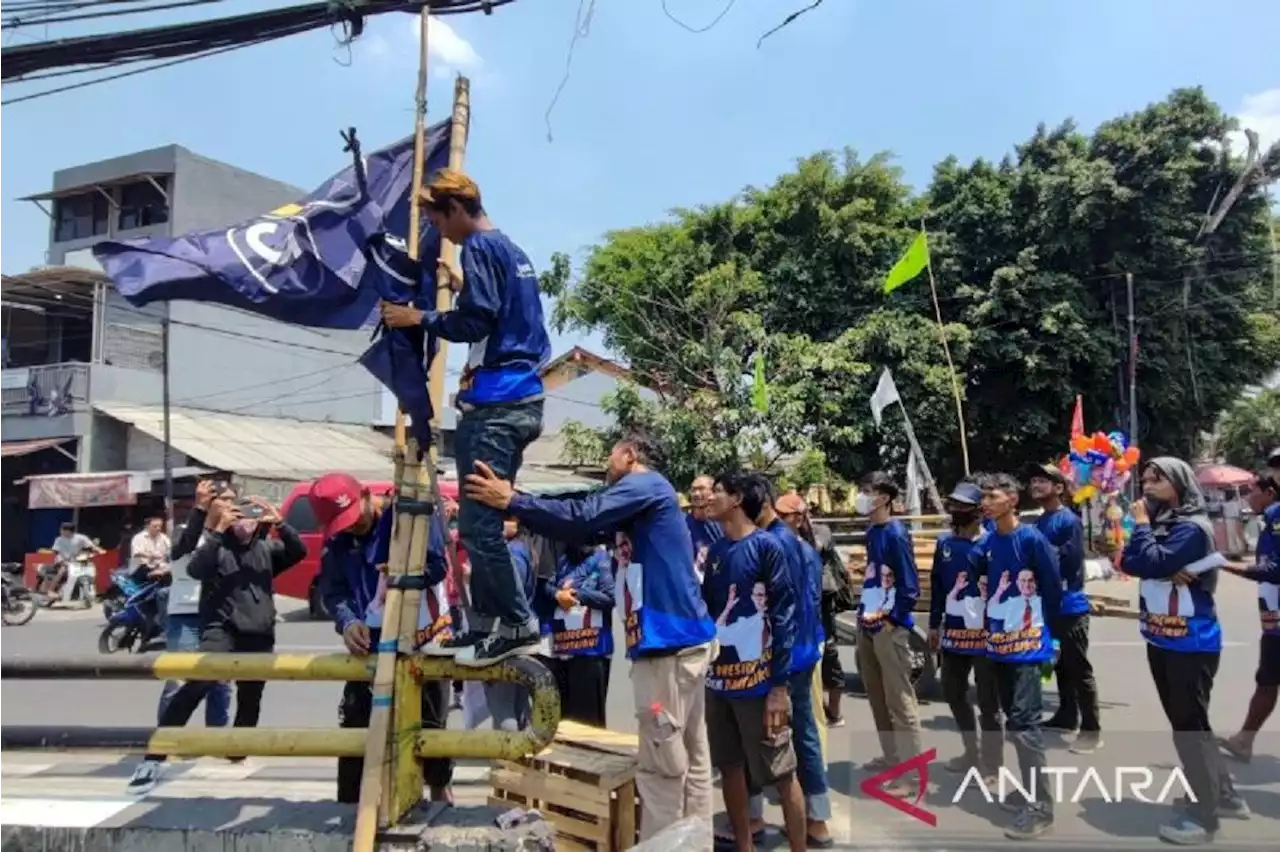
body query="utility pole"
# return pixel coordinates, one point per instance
(1133, 375)
(168, 453)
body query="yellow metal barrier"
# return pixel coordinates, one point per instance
(406, 739)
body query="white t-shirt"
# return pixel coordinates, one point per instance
(69, 547)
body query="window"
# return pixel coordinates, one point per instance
(80, 216)
(141, 204)
(300, 516)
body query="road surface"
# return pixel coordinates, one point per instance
(1135, 730)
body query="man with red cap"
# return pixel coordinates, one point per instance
(353, 581)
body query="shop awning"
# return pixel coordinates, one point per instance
(263, 447)
(9, 449)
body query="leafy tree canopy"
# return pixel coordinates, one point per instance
(1029, 255)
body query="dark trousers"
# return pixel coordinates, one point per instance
(1077, 690)
(583, 683)
(224, 640)
(1184, 683)
(354, 712)
(496, 435)
(987, 752)
(1022, 700)
(832, 671)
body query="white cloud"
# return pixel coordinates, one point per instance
(1260, 113)
(447, 52)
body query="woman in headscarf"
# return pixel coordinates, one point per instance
(1172, 551)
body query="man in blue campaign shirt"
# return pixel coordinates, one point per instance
(1264, 499)
(806, 572)
(702, 529)
(957, 628)
(582, 599)
(1024, 589)
(750, 589)
(1077, 689)
(499, 314)
(668, 630)
(357, 530)
(889, 593)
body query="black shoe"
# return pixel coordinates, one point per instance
(1029, 824)
(453, 645)
(494, 649)
(1060, 725)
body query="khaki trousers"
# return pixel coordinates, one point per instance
(674, 774)
(884, 662)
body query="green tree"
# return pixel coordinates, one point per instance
(1251, 429)
(1030, 256)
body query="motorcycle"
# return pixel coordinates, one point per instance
(80, 587)
(137, 622)
(19, 605)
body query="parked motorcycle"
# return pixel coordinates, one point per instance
(19, 605)
(137, 622)
(80, 587)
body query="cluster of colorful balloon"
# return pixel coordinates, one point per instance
(1100, 464)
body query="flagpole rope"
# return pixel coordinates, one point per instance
(946, 350)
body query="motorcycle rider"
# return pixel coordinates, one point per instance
(67, 547)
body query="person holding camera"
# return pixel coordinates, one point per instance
(236, 564)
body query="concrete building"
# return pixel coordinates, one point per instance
(83, 369)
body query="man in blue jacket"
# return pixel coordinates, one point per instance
(668, 631)
(500, 396)
(357, 529)
(1077, 689)
(1024, 591)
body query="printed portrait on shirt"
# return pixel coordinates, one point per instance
(628, 586)
(700, 561)
(1016, 603)
(965, 606)
(1165, 597)
(879, 594)
(743, 625)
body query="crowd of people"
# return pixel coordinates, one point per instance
(727, 610)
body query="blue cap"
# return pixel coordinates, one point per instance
(966, 492)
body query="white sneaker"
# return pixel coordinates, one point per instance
(145, 778)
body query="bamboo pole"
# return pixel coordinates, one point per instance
(946, 350)
(401, 605)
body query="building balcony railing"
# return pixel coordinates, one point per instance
(44, 391)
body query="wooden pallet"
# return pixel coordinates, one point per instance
(583, 783)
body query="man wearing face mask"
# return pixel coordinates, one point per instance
(885, 621)
(236, 563)
(357, 529)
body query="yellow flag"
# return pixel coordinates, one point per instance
(909, 265)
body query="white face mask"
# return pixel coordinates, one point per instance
(864, 504)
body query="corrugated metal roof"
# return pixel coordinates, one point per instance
(263, 447)
(21, 448)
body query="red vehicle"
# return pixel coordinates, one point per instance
(302, 581)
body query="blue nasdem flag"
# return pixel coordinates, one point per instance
(305, 263)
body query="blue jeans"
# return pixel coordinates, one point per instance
(182, 633)
(808, 745)
(1021, 699)
(496, 435)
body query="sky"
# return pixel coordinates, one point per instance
(651, 115)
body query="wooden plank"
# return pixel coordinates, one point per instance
(602, 739)
(553, 788)
(609, 770)
(565, 825)
(624, 823)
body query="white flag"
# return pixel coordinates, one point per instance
(886, 394)
(914, 484)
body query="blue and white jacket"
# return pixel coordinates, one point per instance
(704, 534)
(1065, 532)
(806, 577)
(585, 630)
(1023, 594)
(891, 585)
(750, 589)
(354, 587)
(958, 604)
(1267, 570)
(499, 313)
(662, 601)
(1173, 616)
